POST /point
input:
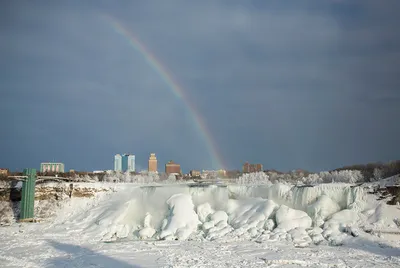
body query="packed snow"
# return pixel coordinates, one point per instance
(239, 224)
(209, 212)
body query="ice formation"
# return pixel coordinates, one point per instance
(182, 219)
(288, 219)
(268, 212)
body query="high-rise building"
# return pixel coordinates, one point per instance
(52, 167)
(172, 167)
(128, 162)
(125, 162)
(152, 163)
(124, 165)
(118, 162)
(131, 163)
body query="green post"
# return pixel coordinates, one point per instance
(28, 194)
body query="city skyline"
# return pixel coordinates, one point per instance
(310, 85)
(121, 165)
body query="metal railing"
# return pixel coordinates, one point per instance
(39, 178)
(18, 178)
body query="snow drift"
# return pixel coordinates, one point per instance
(268, 212)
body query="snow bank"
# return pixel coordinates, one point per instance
(302, 215)
(391, 181)
(8, 211)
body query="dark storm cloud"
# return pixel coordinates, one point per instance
(294, 84)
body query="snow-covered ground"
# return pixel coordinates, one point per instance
(273, 225)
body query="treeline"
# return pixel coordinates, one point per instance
(375, 171)
(360, 173)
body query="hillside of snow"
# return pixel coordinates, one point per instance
(254, 221)
(328, 213)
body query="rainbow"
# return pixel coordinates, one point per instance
(175, 88)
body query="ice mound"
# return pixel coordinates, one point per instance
(250, 212)
(147, 231)
(249, 217)
(342, 218)
(217, 226)
(288, 219)
(266, 213)
(316, 235)
(321, 209)
(341, 225)
(300, 237)
(203, 211)
(116, 223)
(219, 216)
(182, 220)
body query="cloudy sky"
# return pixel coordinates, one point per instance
(289, 84)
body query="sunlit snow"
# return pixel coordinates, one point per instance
(249, 222)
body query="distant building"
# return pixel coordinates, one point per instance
(172, 167)
(233, 174)
(221, 173)
(213, 173)
(3, 171)
(207, 174)
(251, 168)
(52, 167)
(118, 162)
(152, 163)
(194, 173)
(131, 163)
(128, 162)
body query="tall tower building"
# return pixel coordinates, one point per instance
(118, 162)
(131, 163)
(124, 162)
(152, 163)
(128, 162)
